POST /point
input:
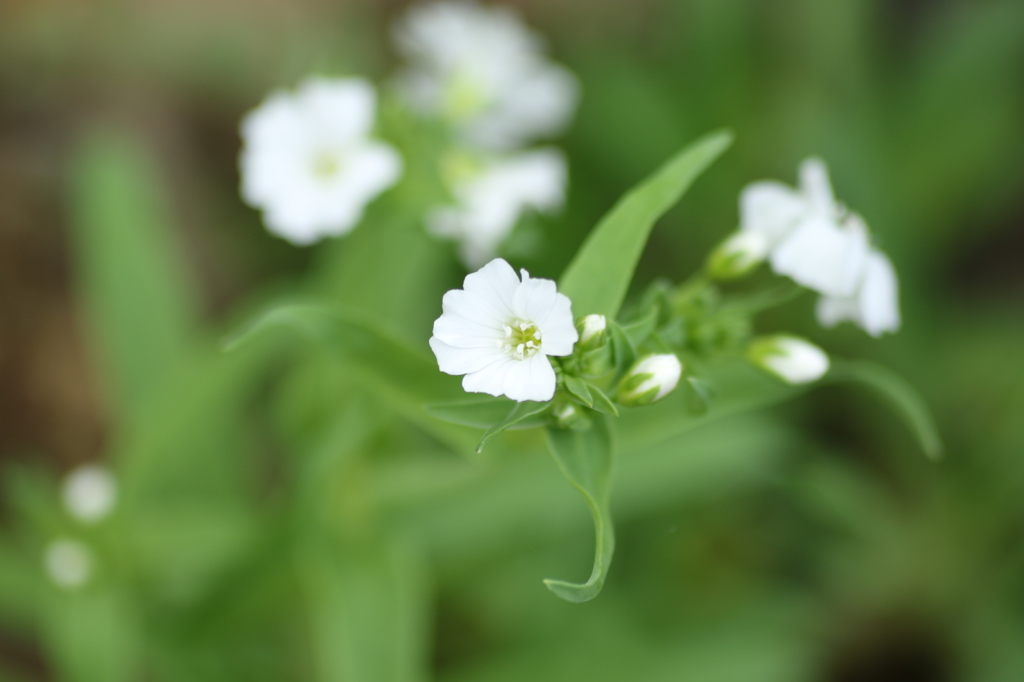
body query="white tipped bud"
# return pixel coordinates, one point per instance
(593, 331)
(738, 255)
(790, 358)
(89, 493)
(68, 563)
(651, 378)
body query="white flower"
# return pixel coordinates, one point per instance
(492, 195)
(484, 72)
(790, 358)
(68, 563)
(499, 332)
(308, 161)
(874, 305)
(650, 379)
(89, 493)
(811, 237)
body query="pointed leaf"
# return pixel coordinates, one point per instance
(598, 277)
(586, 459)
(898, 393)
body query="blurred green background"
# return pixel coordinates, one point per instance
(809, 542)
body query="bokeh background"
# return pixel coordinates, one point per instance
(811, 542)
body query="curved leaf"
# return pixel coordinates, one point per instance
(598, 277)
(586, 460)
(897, 391)
(403, 377)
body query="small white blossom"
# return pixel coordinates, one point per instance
(309, 162)
(811, 238)
(89, 493)
(650, 379)
(499, 331)
(790, 358)
(492, 195)
(68, 563)
(484, 72)
(873, 306)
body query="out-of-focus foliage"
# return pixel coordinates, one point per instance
(274, 523)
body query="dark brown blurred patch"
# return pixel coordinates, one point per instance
(891, 649)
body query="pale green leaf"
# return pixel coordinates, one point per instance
(598, 277)
(128, 269)
(586, 459)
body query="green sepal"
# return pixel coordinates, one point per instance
(528, 411)
(578, 388)
(623, 350)
(602, 403)
(699, 394)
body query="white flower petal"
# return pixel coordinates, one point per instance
(879, 296)
(817, 189)
(531, 379)
(321, 100)
(495, 285)
(490, 379)
(458, 361)
(771, 209)
(823, 256)
(534, 299)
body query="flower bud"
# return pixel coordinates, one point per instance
(569, 416)
(790, 358)
(738, 255)
(651, 378)
(593, 331)
(89, 493)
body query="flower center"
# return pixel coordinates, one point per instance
(464, 97)
(326, 165)
(522, 339)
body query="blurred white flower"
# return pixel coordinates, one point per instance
(499, 331)
(484, 72)
(650, 379)
(811, 238)
(308, 160)
(873, 306)
(89, 493)
(492, 195)
(68, 563)
(790, 358)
